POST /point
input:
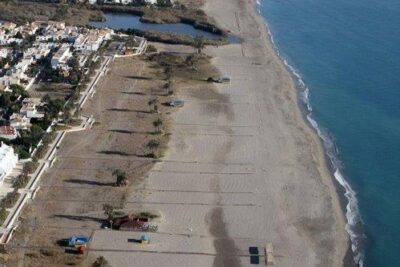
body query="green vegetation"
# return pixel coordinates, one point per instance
(151, 49)
(21, 181)
(3, 214)
(157, 124)
(164, 3)
(101, 262)
(153, 145)
(24, 11)
(153, 105)
(58, 75)
(121, 177)
(172, 38)
(10, 199)
(11, 102)
(110, 213)
(146, 214)
(30, 167)
(199, 43)
(3, 62)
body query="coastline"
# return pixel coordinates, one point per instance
(344, 192)
(243, 167)
(345, 256)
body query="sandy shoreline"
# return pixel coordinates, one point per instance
(242, 169)
(341, 240)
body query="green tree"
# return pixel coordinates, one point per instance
(157, 124)
(18, 36)
(73, 63)
(29, 167)
(54, 107)
(199, 43)
(3, 214)
(121, 177)
(5, 100)
(164, 3)
(109, 212)
(18, 90)
(101, 262)
(153, 145)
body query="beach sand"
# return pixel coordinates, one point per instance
(242, 169)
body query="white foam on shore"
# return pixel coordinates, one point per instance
(352, 211)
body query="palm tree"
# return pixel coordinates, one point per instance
(121, 177)
(153, 105)
(109, 212)
(157, 124)
(153, 145)
(198, 43)
(101, 262)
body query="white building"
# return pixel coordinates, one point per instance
(29, 106)
(4, 52)
(20, 122)
(155, 1)
(61, 57)
(8, 80)
(8, 160)
(91, 41)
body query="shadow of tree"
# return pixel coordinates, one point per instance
(134, 240)
(133, 93)
(138, 77)
(88, 182)
(129, 110)
(131, 132)
(79, 218)
(113, 152)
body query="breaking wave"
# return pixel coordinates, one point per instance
(352, 212)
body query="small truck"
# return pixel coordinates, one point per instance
(78, 240)
(176, 103)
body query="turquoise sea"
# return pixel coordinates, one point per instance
(346, 56)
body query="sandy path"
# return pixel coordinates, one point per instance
(241, 170)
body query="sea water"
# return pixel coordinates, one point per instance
(345, 56)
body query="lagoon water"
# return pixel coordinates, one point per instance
(126, 21)
(348, 55)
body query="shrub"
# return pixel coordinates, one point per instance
(46, 252)
(121, 177)
(101, 262)
(10, 199)
(21, 181)
(3, 214)
(151, 49)
(30, 167)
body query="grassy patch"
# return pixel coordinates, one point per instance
(21, 12)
